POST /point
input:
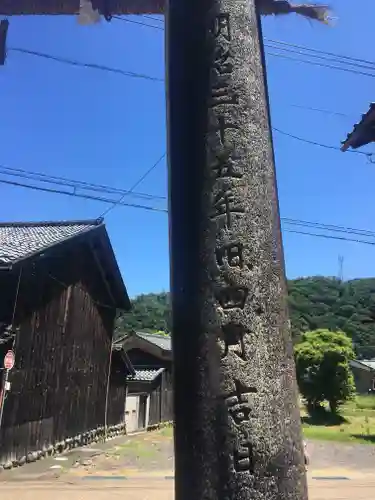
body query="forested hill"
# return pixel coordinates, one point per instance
(329, 303)
(314, 303)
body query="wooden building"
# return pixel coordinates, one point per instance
(60, 288)
(364, 375)
(149, 400)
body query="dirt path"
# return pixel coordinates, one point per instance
(151, 455)
(341, 455)
(142, 468)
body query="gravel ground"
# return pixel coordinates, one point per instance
(351, 456)
(154, 451)
(152, 454)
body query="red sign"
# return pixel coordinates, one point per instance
(9, 360)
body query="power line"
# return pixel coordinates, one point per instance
(319, 56)
(131, 74)
(342, 238)
(314, 143)
(325, 111)
(104, 200)
(289, 47)
(141, 179)
(153, 18)
(73, 62)
(80, 195)
(328, 227)
(314, 63)
(75, 184)
(332, 54)
(119, 18)
(103, 189)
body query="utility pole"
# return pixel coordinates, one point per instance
(237, 422)
(341, 268)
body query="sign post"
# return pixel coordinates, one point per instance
(9, 360)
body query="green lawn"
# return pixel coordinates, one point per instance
(356, 423)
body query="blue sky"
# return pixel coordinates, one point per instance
(105, 128)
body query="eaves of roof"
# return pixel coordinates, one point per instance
(363, 132)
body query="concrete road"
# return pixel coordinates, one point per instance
(158, 489)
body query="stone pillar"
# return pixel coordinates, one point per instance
(237, 427)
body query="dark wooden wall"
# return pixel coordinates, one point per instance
(142, 358)
(117, 391)
(363, 380)
(62, 351)
(161, 400)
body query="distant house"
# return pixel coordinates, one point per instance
(149, 398)
(364, 375)
(60, 287)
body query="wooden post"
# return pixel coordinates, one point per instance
(3, 392)
(237, 424)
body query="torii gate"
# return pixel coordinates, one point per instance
(237, 424)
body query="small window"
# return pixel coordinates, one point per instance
(373, 384)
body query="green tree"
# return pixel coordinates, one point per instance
(323, 370)
(150, 313)
(314, 303)
(322, 302)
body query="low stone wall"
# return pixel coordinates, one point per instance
(84, 439)
(159, 426)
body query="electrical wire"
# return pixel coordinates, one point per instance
(325, 111)
(328, 227)
(73, 62)
(75, 184)
(314, 143)
(130, 74)
(323, 52)
(322, 57)
(126, 20)
(153, 18)
(314, 63)
(135, 185)
(290, 47)
(342, 238)
(80, 195)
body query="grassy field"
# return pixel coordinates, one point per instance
(356, 423)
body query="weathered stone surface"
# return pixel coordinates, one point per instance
(8, 465)
(237, 420)
(32, 457)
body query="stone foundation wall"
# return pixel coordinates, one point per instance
(159, 426)
(84, 439)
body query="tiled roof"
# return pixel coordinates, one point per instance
(368, 363)
(145, 374)
(363, 132)
(22, 239)
(161, 341)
